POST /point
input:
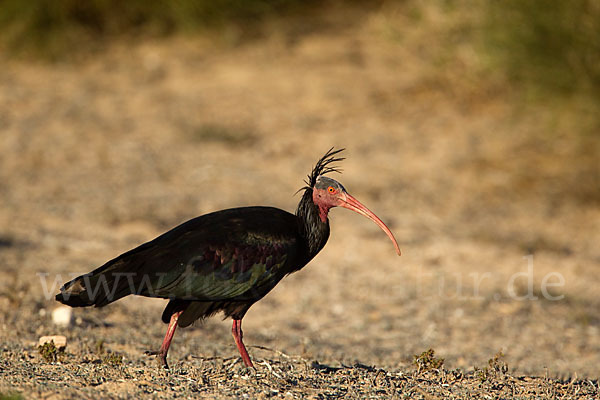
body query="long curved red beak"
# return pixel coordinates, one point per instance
(352, 204)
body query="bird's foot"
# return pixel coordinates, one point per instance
(162, 357)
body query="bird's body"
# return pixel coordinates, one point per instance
(225, 260)
(222, 261)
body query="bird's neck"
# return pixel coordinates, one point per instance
(313, 223)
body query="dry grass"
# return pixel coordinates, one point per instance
(282, 376)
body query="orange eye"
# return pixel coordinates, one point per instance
(331, 189)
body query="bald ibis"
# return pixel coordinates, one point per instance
(222, 261)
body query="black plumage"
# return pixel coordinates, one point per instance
(222, 261)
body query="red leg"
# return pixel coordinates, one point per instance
(236, 330)
(164, 348)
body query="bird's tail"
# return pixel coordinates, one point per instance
(100, 287)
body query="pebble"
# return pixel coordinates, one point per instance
(62, 316)
(60, 342)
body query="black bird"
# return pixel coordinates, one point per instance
(222, 261)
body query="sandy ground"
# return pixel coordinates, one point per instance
(500, 244)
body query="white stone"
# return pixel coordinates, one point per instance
(60, 342)
(62, 316)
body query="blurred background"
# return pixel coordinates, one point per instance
(472, 129)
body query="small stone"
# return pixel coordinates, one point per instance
(60, 342)
(62, 316)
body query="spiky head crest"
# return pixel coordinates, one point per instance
(312, 226)
(324, 166)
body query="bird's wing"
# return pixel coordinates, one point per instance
(236, 254)
(233, 270)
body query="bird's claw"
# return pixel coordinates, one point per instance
(162, 358)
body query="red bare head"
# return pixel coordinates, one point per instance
(328, 193)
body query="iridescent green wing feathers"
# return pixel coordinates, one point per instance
(226, 255)
(221, 256)
(229, 271)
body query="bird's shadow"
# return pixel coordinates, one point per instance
(330, 369)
